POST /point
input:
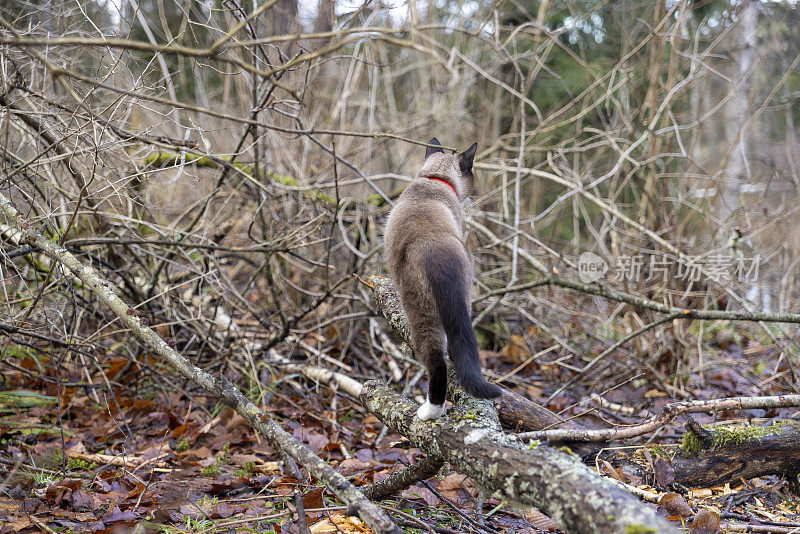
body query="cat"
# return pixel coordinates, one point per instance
(433, 271)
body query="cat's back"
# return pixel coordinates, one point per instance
(422, 211)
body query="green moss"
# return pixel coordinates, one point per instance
(183, 446)
(658, 450)
(209, 501)
(566, 449)
(732, 435)
(166, 158)
(15, 351)
(735, 435)
(247, 469)
(639, 529)
(211, 471)
(80, 465)
(691, 444)
(225, 457)
(376, 200)
(534, 443)
(469, 415)
(281, 179)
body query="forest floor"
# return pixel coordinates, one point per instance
(138, 452)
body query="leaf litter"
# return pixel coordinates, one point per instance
(178, 462)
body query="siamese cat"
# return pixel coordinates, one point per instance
(433, 271)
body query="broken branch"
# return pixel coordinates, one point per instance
(668, 413)
(469, 436)
(217, 385)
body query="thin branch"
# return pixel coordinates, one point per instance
(215, 384)
(668, 413)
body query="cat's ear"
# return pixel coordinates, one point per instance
(466, 158)
(433, 149)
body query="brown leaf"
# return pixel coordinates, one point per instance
(673, 504)
(611, 471)
(420, 492)
(15, 524)
(60, 490)
(457, 488)
(352, 466)
(705, 522)
(541, 521)
(317, 442)
(199, 453)
(663, 471)
(313, 499)
(516, 351)
(117, 515)
(81, 501)
(223, 510)
(341, 524)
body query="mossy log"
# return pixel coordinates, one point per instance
(712, 457)
(470, 438)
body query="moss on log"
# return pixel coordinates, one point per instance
(470, 438)
(712, 457)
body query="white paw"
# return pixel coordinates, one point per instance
(429, 411)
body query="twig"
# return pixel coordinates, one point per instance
(420, 470)
(470, 438)
(472, 521)
(668, 413)
(217, 384)
(614, 347)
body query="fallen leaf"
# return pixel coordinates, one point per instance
(705, 522)
(340, 523)
(700, 493)
(420, 492)
(663, 471)
(117, 515)
(456, 482)
(673, 504)
(541, 521)
(516, 351)
(352, 466)
(611, 471)
(81, 501)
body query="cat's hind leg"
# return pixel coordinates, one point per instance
(429, 346)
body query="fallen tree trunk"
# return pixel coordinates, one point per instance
(217, 385)
(714, 457)
(469, 436)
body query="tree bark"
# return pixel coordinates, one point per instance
(737, 170)
(469, 436)
(422, 469)
(726, 454)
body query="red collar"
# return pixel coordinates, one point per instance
(448, 184)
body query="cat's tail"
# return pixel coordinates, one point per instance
(444, 266)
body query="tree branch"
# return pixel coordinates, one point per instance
(470, 438)
(668, 413)
(217, 385)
